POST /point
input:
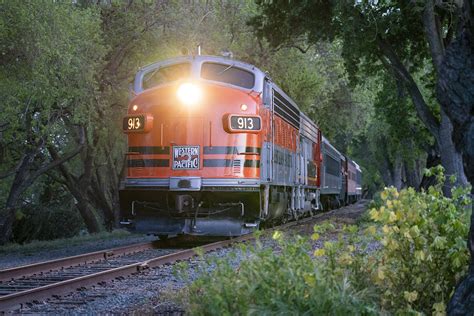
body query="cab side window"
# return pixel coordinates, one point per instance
(267, 93)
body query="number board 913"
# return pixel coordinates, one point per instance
(134, 123)
(245, 123)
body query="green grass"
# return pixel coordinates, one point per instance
(43, 245)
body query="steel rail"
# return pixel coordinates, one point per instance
(10, 301)
(46, 266)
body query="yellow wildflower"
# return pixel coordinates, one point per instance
(410, 296)
(374, 214)
(309, 279)
(345, 259)
(371, 230)
(277, 235)
(315, 236)
(420, 255)
(392, 217)
(319, 252)
(439, 309)
(380, 274)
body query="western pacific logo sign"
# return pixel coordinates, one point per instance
(185, 157)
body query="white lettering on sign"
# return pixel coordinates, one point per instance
(185, 157)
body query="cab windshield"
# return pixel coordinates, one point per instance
(166, 74)
(228, 74)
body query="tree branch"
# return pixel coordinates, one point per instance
(402, 73)
(433, 34)
(60, 160)
(7, 174)
(301, 49)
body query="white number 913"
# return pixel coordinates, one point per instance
(245, 123)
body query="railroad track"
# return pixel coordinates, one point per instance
(45, 279)
(40, 281)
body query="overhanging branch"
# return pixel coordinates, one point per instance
(60, 160)
(391, 61)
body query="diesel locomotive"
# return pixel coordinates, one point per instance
(216, 148)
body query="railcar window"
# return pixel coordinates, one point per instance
(228, 74)
(332, 166)
(166, 74)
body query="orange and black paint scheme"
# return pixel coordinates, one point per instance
(216, 148)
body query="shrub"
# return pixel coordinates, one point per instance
(424, 246)
(46, 222)
(406, 261)
(290, 282)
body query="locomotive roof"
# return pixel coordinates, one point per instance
(259, 74)
(197, 61)
(217, 59)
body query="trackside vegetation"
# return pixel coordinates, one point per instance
(418, 257)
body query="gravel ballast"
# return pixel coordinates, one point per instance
(23, 255)
(154, 291)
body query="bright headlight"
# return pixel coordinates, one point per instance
(189, 93)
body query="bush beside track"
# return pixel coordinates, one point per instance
(421, 245)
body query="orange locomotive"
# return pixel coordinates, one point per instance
(215, 148)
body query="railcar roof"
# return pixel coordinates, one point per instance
(326, 141)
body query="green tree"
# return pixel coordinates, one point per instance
(377, 36)
(47, 72)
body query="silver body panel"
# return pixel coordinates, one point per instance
(204, 183)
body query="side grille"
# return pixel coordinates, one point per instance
(236, 166)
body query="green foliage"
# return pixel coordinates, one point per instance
(48, 83)
(356, 24)
(48, 66)
(389, 135)
(286, 283)
(50, 214)
(46, 222)
(413, 241)
(424, 245)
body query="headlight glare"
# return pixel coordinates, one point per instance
(189, 93)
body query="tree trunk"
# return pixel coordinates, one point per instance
(16, 189)
(442, 131)
(385, 169)
(455, 91)
(412, 175)
(451, 158)
(78, 186)
(397, 172)
(92, 224)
